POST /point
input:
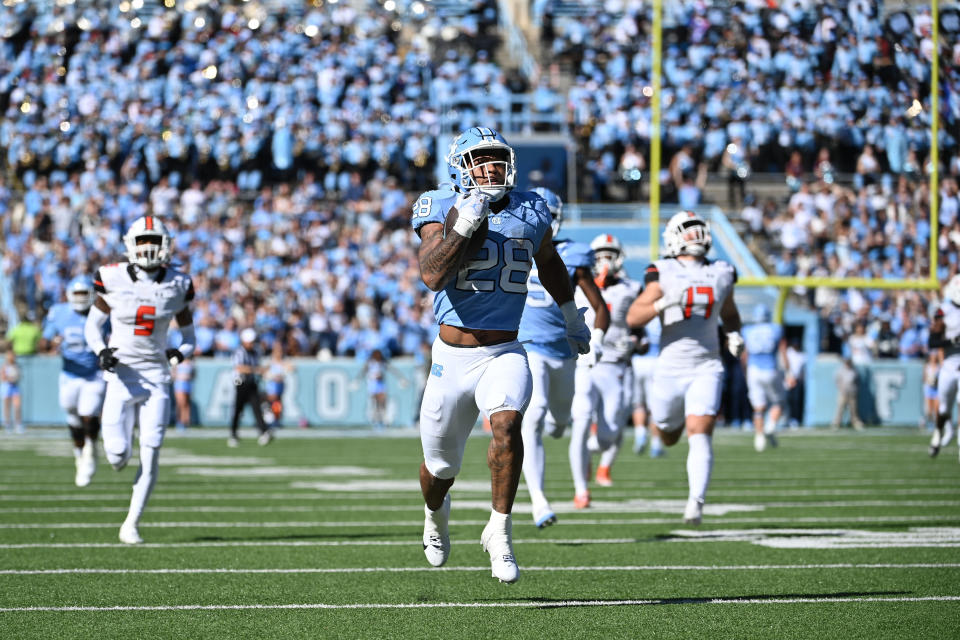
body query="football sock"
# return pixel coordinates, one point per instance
(579, 457)
(144, 482)
(699, 465)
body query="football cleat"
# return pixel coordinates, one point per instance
(759, 442)
(581, 500)
(129, 534)
(265, 438)
(544, 516)
(947, 434)
(640, 444)
(436, 533)
(603, 477)
(693, 514)
(233, 442)
(934, 444)
(498, 542)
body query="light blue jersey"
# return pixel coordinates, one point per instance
(542, 328)
(489, 291)
(762, 341)
(78, 359)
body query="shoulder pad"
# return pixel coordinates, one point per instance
(576, 254)
(432, 206)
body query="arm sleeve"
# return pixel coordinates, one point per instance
(189, 343)
(93, 329)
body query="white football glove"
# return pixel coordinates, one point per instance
(735, 343)
(577, 332)
(670, 299)
(472, 208)
(596, 348)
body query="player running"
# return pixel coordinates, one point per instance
(686, 290)
(478, 363)
(552, 362)
(945, 336)
(140, 298)
(604, 384)
(81, 381)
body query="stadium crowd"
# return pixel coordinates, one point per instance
(284, 145)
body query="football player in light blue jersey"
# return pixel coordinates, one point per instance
(81, 381)
(763, 342)
(478, 363)
(543, 334)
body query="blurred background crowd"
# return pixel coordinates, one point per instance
(285, 142)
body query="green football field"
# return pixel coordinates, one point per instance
(830, 535)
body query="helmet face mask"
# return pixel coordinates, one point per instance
(80, 294)
(687, 234)
(480, 159)
(555, 205)
(148, 243)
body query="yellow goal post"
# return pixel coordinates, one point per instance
(785, 283)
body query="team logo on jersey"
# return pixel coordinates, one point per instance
(496, 220)
(437, 370)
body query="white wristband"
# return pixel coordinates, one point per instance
(660, 304)
(596, 335)
(570, 312)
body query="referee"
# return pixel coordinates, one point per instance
(246, 377)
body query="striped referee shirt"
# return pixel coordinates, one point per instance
(242, 357)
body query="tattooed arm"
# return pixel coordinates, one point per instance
(439, 257)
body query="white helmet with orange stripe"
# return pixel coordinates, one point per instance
(148, 243)
(607, 253)
(687, 234)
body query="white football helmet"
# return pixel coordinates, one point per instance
(608, 251)
(148, 243)
(951, 292)
(80, 293)
(687, 234)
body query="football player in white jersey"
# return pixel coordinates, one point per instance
(945, 336)
(604, 382)
(552, 361)
(686, 290)
(140, 298)
(478, 363)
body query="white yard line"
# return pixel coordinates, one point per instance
(715, 567)
(599, 507)
(418, 523)
(486, 605)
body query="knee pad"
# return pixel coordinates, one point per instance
(443, 470)
(118, 460)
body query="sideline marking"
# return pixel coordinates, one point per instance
(485, 605)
